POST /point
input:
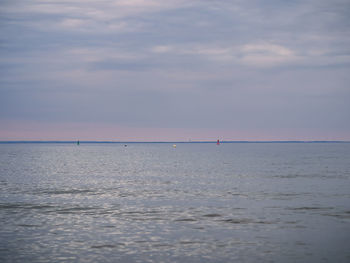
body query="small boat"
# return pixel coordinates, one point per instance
(218, 142)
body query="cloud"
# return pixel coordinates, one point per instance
(162, 49)
(266, 54)
(92, 16)
(257, 55)
(248, 65)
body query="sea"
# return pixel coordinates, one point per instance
(152, 202)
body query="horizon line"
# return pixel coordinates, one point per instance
(191, 141)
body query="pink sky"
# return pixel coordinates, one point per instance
(86, 131)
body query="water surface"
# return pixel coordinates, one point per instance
(198, 202)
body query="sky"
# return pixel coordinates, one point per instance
(170, 70)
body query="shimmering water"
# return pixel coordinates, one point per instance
(237, 202)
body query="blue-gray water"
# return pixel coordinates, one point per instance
(237, 202)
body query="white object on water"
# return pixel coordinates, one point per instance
(174, 145)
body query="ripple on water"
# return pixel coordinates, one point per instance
(339, 215)
(107, 245)
(66, 192)
(29, 225)
(246, 221)
(28, 206)
(309, 208)
(212, 215)
(83, 210)
(185, 220)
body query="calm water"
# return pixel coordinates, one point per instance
(238, 202)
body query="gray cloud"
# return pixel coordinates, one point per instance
(178, 64)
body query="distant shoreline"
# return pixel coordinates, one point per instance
(130, 142)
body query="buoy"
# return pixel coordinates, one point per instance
(218, 142)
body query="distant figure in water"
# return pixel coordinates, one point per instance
(218, 142)
(125, 145)
(78, 142)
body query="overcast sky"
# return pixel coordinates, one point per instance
(175, 70)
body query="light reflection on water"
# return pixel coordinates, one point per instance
(196, 203)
